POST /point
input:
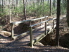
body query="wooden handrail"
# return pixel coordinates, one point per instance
(42, 22)
(18, 22)
(39, 18)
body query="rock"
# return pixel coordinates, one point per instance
(6, 33)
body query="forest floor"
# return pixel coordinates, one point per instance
(20, 45)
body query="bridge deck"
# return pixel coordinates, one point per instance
(35, 33)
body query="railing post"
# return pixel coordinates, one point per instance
(31, 43)
(47, 21)
(45, 28)
(12, 31)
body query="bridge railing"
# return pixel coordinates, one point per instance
(30, 27)
(18, 22)
(46, 21)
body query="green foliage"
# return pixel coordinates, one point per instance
(54, 10)
(4, 11)
(63, 6)
(34, 9)
(38, 10)
(2, 14)
(18, 9)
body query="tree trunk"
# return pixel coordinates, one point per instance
(43, 7)
(48, 1)
(50, 8)
(57, 22)
(24, 9)
(54, 3)
(2, 5)
(68, 12)
(17, 7)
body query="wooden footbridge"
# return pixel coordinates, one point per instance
(47, 26)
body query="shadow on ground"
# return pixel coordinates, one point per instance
(21, 46)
